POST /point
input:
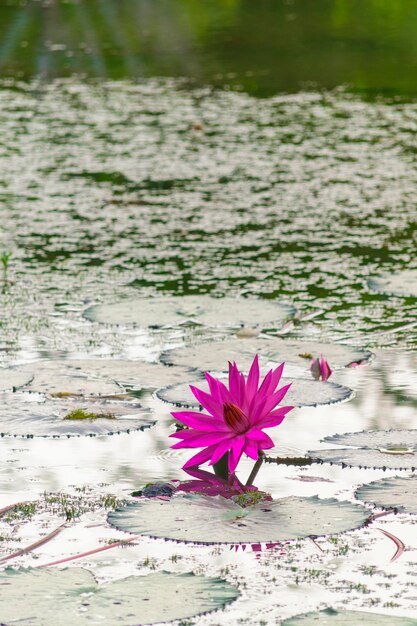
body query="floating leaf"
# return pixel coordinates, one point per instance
(21, 415)
(391, 493)
(13, 378)
(136, 374)
(227, 522)
(331, 617)
(402, 284)
(375, 449)
(215, 356)
(37, 597)
(61, 378)
(303, 392)
(174, 310)
(98, 377)
(375, 439)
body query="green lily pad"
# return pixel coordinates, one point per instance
(331, 617)
(389, 449)
(46, 597)
(215, 356)
(226, 522)
(31, 415)
(303, 392)
(13, 378)
(391, 493)
(170, 311)
(402, 284)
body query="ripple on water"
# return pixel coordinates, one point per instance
(298, 197)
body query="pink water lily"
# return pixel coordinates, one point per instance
(236, 416)
(320, 369)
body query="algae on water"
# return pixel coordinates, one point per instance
(80, 414)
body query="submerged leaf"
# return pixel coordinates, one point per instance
(170, 311)
(391, 493)
(331, 617)
(38, 597)
(227, 522)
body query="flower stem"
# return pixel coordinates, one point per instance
(221, 468)
(255, 470)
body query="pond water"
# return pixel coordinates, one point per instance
(264, 151)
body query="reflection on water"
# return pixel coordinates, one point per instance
(263, 47)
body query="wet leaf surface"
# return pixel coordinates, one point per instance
(390, 449)
(398, 493)
(215, 356)
(403, 284)
(36, 597)
(31, 415)
(331, 617)
(227, 522)
(195, 309)
(303, 392)
(11, 378)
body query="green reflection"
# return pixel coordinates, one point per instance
(264, 47)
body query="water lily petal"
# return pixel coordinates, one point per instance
(251, 449)
(199, 458)
(195, 439)
(199, 420)
(236, 452)
(275, 398)
(207, 401)
(221, 450)
(253, 379)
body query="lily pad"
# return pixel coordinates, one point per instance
(389, 449)
(135, 374)
(215, 356)
(58, 377)
(11, 378)
(98, 377)
(391, 493)
(303, 392)
(227, 522)
(331, 617)
(36, 597)
(27, 415)
(402, 284)
(170, 311)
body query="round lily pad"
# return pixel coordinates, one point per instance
(61, 378)
(331, 617)
(215, 356)
(135, 374)
(98, 377)
(27, 415)
(36, 597)
(13, 378)
(391, 493)
(390, 449)
(303, 392)
(227, 522)
(402, 284)
(170, 311)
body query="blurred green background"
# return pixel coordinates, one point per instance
(261, 46)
